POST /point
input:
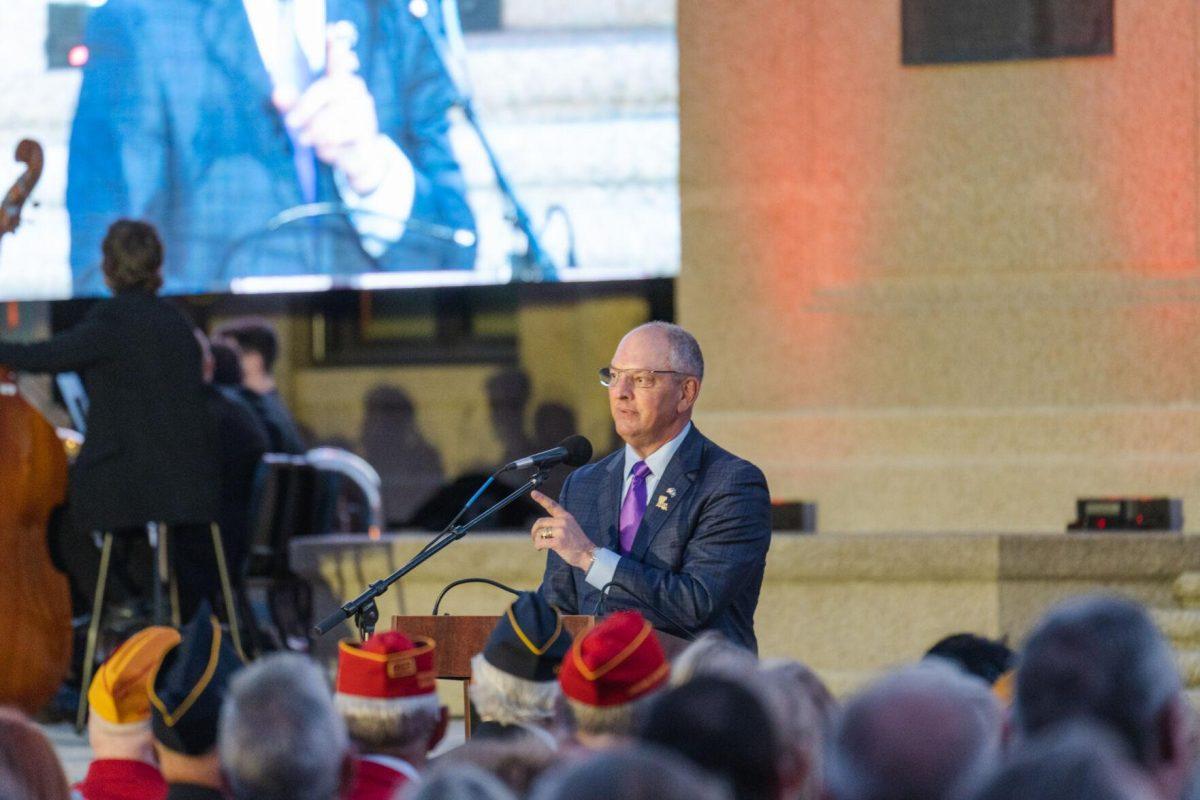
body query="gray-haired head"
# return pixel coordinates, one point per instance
(646, 772)
(711, 653)
(805, 710)
(1101, 658)
(458, 782)
(925, 731)
(280, 736)
(1073, 761)
(685, 355)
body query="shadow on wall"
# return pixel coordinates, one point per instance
(415, 490)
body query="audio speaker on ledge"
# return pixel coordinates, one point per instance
(1127, 515)
(793, 517)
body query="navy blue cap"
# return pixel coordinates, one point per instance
(529, 641)
(187, 689)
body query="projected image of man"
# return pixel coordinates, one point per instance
(217, 120)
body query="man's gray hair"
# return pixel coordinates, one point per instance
(711, 653)
(1071, 761)
(377, 723)
(458, 782)
(644, 772)
(509, 700)
(805, 711)
(280, 736)
(926, 731)
(618, 720)
(685, 355)
(1098, 657)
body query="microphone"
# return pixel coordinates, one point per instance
(574, 451)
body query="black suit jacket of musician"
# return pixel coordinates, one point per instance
(698, 557)
(148, 455)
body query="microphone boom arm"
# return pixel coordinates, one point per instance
(363, 608)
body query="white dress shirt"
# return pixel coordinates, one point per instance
(604, 563)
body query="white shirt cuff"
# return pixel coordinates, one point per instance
(379, 217)
(603, 569)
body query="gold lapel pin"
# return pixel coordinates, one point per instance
(662, 502)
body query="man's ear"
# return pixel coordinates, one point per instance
(689, 390)
(439, 730)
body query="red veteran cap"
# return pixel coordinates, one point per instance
(388, 666)
(615, 662)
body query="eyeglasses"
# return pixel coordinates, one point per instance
(642, 378)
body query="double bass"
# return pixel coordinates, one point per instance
(35, 603)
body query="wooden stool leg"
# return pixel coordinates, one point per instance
(172, 576)
(89, 653)
(161, 570)
(227, 590)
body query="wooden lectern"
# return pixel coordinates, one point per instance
(460, 638)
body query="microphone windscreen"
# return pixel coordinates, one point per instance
(579, 450)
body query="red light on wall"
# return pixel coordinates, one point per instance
(1102, 523)
(78, 55)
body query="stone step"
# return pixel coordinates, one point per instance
(614, 152)
(576, 14)
(1181, 626)
(1187, 590)
(558, 75)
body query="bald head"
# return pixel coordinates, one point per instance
(655, 380)
(924, 731)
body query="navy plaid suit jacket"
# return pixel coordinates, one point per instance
(696, 564)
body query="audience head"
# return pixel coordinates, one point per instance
(711, 653)
(609, 675)
(518, 761)
(133, 257)
(281, 738)
(984, 658)
(186, 689)
(514, 681)
(119, 698)
(29, 767)
(1102, 658)
(804, 711)
(227, 364)
(926, 731)
(257, 347)
(721, 726)
(646, 772)
(1073, 761)
(458, 782)
(387, 695)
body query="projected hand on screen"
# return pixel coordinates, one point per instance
(336, 117)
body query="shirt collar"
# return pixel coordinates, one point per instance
(395, 764)
(658, 460)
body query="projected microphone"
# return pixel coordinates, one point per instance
(574, 451)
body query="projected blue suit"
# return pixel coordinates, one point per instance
(175, 125)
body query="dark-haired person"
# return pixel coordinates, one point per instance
(258, 348)
(149, 453)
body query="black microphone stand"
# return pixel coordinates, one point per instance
(535, 263)
(363, 607)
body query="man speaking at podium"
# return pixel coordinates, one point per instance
(670, 525)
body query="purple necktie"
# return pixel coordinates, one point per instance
(634, 506)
